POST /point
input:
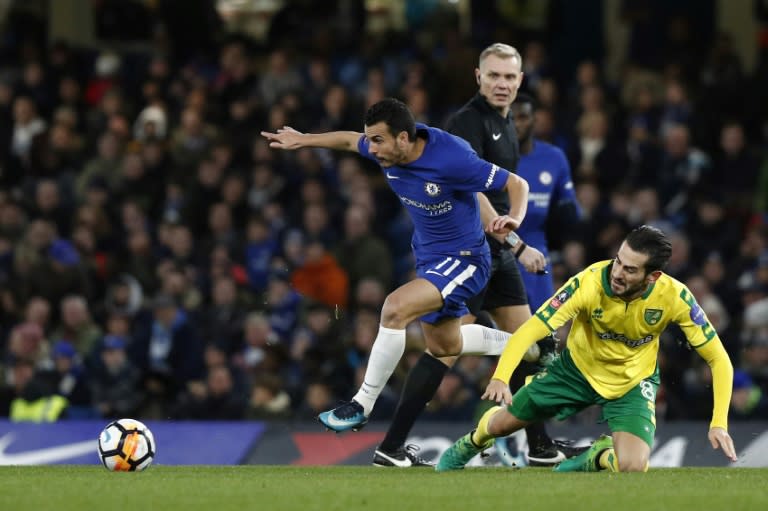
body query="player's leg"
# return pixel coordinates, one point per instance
(495, 422)
(507, 301)
(420, 386)
(632, 453)
(405, 304)
(425, 377)
(561, 391)
(443, 286)
(632, 420)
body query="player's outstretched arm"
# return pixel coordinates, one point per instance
(290, 139)
(722, 383)
(528, 333)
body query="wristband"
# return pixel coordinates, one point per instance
(519, 251)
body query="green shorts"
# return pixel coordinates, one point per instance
(562, 391)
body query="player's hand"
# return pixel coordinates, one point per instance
(719, 437)
(502, 225)
(285, 138)
(532, 259)
(498, 391)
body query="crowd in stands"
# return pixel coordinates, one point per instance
(159, 260)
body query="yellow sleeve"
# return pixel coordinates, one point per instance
(703, 338)
(528, 333)
(722, 380)
(554, 313)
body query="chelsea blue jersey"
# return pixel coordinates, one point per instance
(548, 175)
(438, 190)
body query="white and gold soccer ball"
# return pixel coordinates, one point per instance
(126, 445)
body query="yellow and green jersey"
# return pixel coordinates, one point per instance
(615, 343)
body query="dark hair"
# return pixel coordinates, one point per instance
(395, 114)
(652, 242)
(524, 98)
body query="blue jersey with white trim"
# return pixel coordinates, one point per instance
(548, 175)
(438, 191)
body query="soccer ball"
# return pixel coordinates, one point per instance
(126, 445)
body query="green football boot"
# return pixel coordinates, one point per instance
(586, 461)
(459, 454)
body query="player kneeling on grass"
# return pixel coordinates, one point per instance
(619, 308)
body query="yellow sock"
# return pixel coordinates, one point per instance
(481, 436)
(608, 461)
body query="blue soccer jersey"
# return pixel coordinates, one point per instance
(438, 190)
(548, 175)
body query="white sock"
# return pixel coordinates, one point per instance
(387, 350)
(480, 340)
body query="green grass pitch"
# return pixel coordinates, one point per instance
(64, 488)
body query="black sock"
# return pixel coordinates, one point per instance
(537, 436)
(536, 433)
(420, 386)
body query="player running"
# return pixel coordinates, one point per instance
(436, 176)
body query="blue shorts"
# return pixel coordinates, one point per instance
(458, 278)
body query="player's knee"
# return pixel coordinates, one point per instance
(394, 313)
(444, 350)
(632, 464)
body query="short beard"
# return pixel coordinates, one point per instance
(633, 291)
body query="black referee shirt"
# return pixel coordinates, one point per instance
(492, 137)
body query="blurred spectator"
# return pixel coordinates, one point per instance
(49, 205)
(27, 342)
(282, 303)
(320, 277)
(748, 402)
(18, 374)
(683, 167)
(38, 311)
(222, 320)
(191, 140)
(754, 339)
(27, 125)
(361, 253)
(260, 247)
(597, 155)
(77, 326)
(454, 400)
(214, 400)
(318, 396)
(69, 379)
(168, 350)
(59, 274)
(279, 78)
(268, 399)
(736, 169)
(31, 399)
(116, 384)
